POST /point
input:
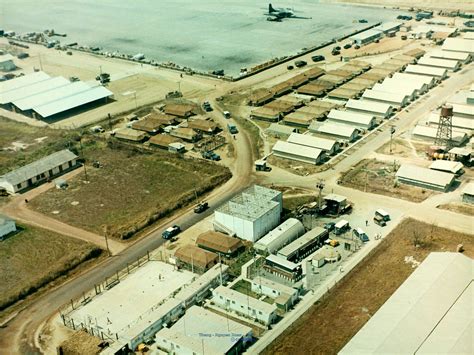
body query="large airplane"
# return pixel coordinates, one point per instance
(279, 13)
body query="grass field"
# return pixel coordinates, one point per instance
(350, 304)
(379, 177)
(130, 191)
(21, 144)
(34, 257)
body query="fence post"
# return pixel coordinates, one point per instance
(73, 325)
(72, 304)
(128, 270)
(148, 255)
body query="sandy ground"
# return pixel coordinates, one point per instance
(462, 5)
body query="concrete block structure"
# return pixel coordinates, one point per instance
(244, 305)
(251, 214)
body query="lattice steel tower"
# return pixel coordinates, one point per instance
(444, 135)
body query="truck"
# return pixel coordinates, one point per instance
(359, 233)
(201, 207)
(383, 214)
(232, 128)
(261, 165)
(341, 227)
(211, 155)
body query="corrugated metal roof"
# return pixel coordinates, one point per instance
(460, 122)
(192, 254)
(218, 241)
(51, 95)
(280, 129)
(365, 35)
(349, 116)
(38, 167)
(458, 45)
(446, 165)
(397, 98)
(67, 103)
(415, 78)
(430, 132)
(33, 89)
(298, 150)
(337, 129)
(23, 81)
(431, 312)
(469, 189)
(302, 241)
(291, 227)
(463, 109)
(422, 69)
(424, 175)
(281, 261)
(396, 86)
(448, 55)
(371, 106)
(310, 141)
(436, 62)
(387, 26)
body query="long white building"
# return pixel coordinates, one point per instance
(449, 64)
(425, 178)
(458, 45)
(440, 73)
(430, 81)
(394, 88)
(421, 88)
(352, 118)
(459, 56)
(367, 107)
(280, 236)
(251, 214)
(396, 99)
(336, 130)
(329, 146)
(231, 300)
(457, 122)
(298, 152)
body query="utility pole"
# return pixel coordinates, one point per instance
(392, 131)
(320, 187)
(83, 158)
(106, 232)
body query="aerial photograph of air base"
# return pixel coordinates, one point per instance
(236, 177)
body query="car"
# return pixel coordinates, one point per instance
(226, 114)
(337, 48)
(207, 106)
(300, 63)
(335, 52)
(317, 58)
(356, 46)
(290, 67)
(201, 207)
(171, 232)
(347, 46)
(379, 221)
(329, 226)
(377, 40)
(232, 128)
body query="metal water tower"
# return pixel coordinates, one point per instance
(444, 135)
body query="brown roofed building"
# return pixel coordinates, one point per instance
(129, 134)
(166, 120)
(299, 119)
(203, 126)
(361, 64)
(316, 113)
(313, 89)
(163, 140)
(343, 94)
(324, 104)
(347, 75)
(417, 53)
(265, 113)
(283, 107)
(195, 258)
(298, 80)
(313, 73)
(282, 88)
(187, 134)
(179, 110)
(260, 97)
(148, 124)
(219, 243)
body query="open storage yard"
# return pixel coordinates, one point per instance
(379, 177)
(130, 190)
(351, 303)
(21, 144)
(33, 257)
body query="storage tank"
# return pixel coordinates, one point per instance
(446, 110)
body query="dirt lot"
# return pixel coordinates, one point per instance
(379, 177)
(463, 208)
(131, 190)
(296, 167)
(349, 305)
(81, 343)
(21, 144)
(404, 148)
(34, 257)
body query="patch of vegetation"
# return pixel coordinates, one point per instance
(33, 257)
(131, 190)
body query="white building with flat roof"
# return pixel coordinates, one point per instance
(463, 110)
(429, 133)
(453, 167)
(284, 296)
(394, 87)
(457, 122)
(430, 313)
(366, 37)
(250, 215)
(352, 118)
(280, 236)
(329, 146)
(430, 81)
(419, 87)
(231, 300)
(200, 331)
(458, 45)
(459, 56)
(298, 152)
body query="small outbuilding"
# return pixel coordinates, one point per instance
(336, 130)
(195, 258)
(447, 166)
(330, 147)
(163, 140)
(6, 62)
(468, 193)
(128, 134)
(298, 152)
(378, 109)
(179, 110)
(7, 227)
(187, 134)
(219, 243)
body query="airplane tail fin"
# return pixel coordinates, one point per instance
(270, 8)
